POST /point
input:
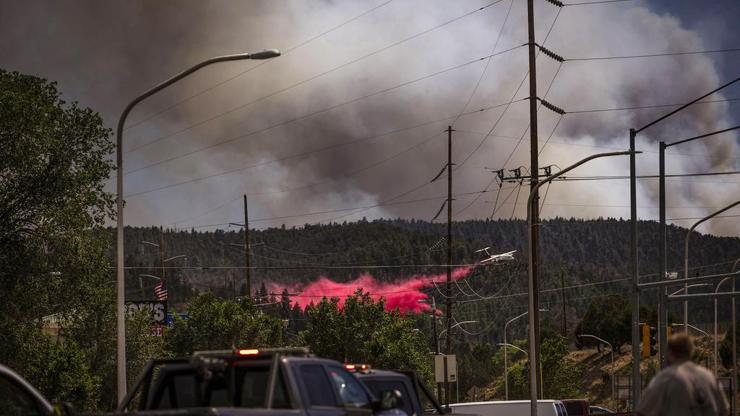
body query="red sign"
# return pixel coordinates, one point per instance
(157, 330)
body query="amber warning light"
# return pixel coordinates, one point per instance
(357, 367)
(245, 351)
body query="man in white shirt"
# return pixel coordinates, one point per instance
(683, 388)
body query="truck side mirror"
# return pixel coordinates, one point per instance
(390, 399)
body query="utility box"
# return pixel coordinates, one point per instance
(439, 368)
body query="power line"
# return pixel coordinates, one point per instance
(594, 2)
(488, 62)
(547, 36)
(283, 53)
(316, 112)
(699, 218)
(304, 267)
(307, 153)
(651, 55)
(377, 51)
(365, 207)
(578, 286)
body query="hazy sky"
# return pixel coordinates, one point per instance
(352, 115)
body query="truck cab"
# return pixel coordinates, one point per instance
(253, 381)
(415, 398)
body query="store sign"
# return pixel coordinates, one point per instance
(157, 309)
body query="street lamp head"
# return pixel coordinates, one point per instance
(266, 54)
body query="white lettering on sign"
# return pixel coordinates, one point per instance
(158, 310)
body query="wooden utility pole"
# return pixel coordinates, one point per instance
(448, 341)
(534, 307)
(161, 254)
(247, 270)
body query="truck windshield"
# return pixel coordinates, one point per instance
(184, 388)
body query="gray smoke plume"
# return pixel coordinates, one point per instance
(105, 54)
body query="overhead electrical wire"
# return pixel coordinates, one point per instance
(547, 36)
(488, 62)
(651, 55)
(503, 203)
(282, 53)
(365, 207)
(306, 153)
(343, 65)
(310, 114)
(642, 107)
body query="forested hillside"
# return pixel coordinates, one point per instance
(573, 252)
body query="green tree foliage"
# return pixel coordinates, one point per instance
(141, 346)
(608, 318)
(363, 332)
(60, 370)
(215, 323)
(54, 159)
(477, 368)
(560, 378)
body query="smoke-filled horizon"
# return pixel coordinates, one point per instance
(353, 113)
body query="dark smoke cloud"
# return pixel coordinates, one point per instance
(105, 53)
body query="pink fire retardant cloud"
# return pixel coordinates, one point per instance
(403, 295)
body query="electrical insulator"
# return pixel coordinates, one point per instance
(551, 54)
(552, 107)
(556, 2)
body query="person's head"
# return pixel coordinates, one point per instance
(680, 348)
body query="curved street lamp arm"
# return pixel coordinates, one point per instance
(224, 58)
(181, 256)
(120, 285)
(691, 230)
(504, 344)
(596, 338)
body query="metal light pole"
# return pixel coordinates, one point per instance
(611, 348)
(505, 344)
(635, 298)
(533, 307)
(686, 268)
(506, 370)
(633, 249)
(734, 344)
(506, 363)
(120, 286)
(716, 290)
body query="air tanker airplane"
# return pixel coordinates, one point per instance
(495, 258)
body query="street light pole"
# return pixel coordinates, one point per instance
(120, 285)
(716, 290)
(532, 284)
(506, 363)
(686, 270)
(611, 348)
(734, 344)
(505, 344)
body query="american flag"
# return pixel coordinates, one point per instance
(160, 290)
